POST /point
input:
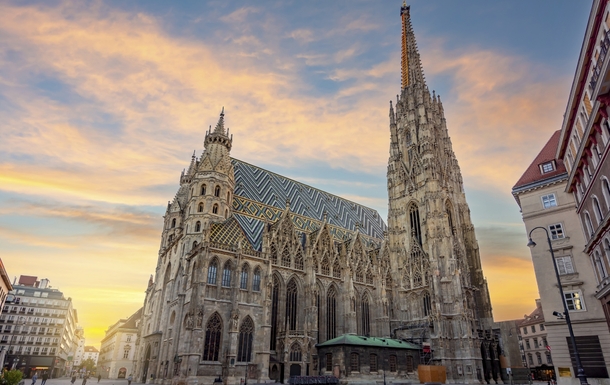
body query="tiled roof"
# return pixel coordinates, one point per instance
(533, 173)
(260, 196)
(351, 339)
(229, 232)
(536, 317)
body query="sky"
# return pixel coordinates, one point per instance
(102, 104)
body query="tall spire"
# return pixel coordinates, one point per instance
(220, 126)
(411, 69)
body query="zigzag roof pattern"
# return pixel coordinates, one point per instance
(260, 195)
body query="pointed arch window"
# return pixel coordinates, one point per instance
(366, 317)
(359, 274)
(325, 266)
(215, 209)
(256, 280)
(244, 349)
(213, 332)
(449, 217)
(212, 270)
(331, 314)
(243, 282)
(286, 257)
(427, 305)
(415, 224)
(200, 208)
(292, 296)
(369, 277)
(173, 223)
(315, 264)
(273, 254)
(337, 269)
(226, 213)
(295, 353)
(197, 227)
(588, 223)
(275, 293)
(202, 189)
(217, 191)
(226, 275)
(417, 279)
(298, 260)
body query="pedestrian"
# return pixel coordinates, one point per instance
(73, 379)
(99, 377)
(34, 378)
(45, 377)
(129, 379)
(85, 379)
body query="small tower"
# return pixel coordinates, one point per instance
(211, 183)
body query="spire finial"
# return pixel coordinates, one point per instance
(411, 70)
(220, 126)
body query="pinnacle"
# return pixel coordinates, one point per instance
(220, 126)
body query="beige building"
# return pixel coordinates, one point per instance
(77, 355)
(541, 195)
(91, 353)
(535, 346)
(117, 352)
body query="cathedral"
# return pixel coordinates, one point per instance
(259, 276)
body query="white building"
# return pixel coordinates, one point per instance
(117, 352)
(90, 353)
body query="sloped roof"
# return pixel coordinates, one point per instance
(351, 339)
(229, 232)
(533, 173)
(260, 196)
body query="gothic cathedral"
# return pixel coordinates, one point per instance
(257, 274)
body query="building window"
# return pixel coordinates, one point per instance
(598, 210)
(200, 208)
(549, 201)
(354, 362)
(336, 269)
(274, 312)
(217, 191)
(392, 362)
(527, 344)
(574, 300)
(524, 330)
(197, 227)
(542, 329)
(410, 366)
(213, 332)
(286, 257)
(256, 280)
(369, 277)
(292, 296)
(530, 359)
(126, 353)
(427, 304)
(226, 275)
(244, 350)
(329, 362)
(325, 266)
(414, 221)
(539, 358)
(331, 314)
(298, 260)
(549, 360)
(588, 223)
(564, 265)
(547, 167)
(273, 254)
(295, 353)
(606, 191)
(212, 273)
(173, 223)
(599, 265)
(556, 231)
(215, 209)
(536, 343)
(533, 328)
(202, 189)
(243, 284)
(366, 316)
(373, 363)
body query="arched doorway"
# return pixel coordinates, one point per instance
(122, 373)
(295, 370)
(146, 362)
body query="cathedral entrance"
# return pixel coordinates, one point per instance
(295, 370)
(146, 361)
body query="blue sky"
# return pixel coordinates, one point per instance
(103, 102)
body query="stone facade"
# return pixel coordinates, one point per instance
(254, 269)
(118, 348)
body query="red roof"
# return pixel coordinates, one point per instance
(547, 154)
(27, 280)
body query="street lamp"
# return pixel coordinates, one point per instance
(580, 371)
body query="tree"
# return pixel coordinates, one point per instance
(88, 364)
(11, 377)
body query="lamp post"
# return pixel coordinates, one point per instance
(580, 371)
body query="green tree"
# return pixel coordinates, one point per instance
(89, 365)
(11, 377)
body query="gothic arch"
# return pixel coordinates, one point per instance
(365, 314)
(332, 313)
(292, 303)
(213, 336)
(298, 259)
(286, 259)
(415, 223)
(325, 265)
(336, 268)
(276, 289)
(273, 253)
(213, 271)
(246, 333)
(244, 276)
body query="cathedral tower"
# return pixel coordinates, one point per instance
(431, 238)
